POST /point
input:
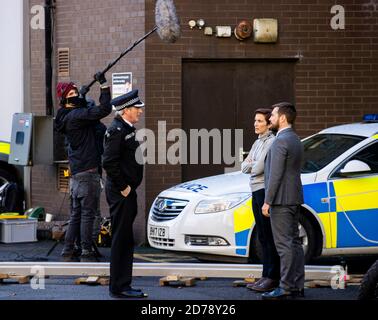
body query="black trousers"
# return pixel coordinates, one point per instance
(271, 259)
(122, 212)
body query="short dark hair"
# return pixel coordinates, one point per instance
(266, 112)
(287, 109)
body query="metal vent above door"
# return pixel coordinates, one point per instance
(63, 62)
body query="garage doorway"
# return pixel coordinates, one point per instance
(224, 94)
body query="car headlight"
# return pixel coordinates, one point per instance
(223, 203)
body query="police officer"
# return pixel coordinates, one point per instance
(124, 175)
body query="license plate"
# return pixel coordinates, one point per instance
(159, 232)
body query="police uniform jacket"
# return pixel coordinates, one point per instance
(119, 158)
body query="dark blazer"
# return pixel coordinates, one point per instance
(122, 159)
(282, 170)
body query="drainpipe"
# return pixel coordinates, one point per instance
(49, 7)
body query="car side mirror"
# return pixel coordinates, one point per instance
(354, 167)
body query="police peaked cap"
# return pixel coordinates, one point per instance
(127, 100)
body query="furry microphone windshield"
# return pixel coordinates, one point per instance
(167, 22)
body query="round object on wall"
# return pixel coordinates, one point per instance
(243, 30)
(192, 24)
(200, 23)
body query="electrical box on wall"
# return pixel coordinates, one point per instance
(31, 140)
(21, 139)
(265, 30)
(223, 31)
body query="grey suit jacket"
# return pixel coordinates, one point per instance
(282, 171)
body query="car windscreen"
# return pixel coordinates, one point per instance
(322, 149)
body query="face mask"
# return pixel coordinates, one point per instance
(77, 101)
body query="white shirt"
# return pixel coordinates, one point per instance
(130, 124)
(279, 131)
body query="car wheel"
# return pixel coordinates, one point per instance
(307, 237)
(306, 234)
(6, 176)
(369, 285)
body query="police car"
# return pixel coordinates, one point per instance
(212, 217)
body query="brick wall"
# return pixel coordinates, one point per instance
(336, 77)
(96, 33)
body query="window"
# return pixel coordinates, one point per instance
(368, 155)
(322, 149)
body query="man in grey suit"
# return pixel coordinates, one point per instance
(283, 198)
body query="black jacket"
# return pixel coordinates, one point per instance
(79, 127)
(100, 130)
(120, 156)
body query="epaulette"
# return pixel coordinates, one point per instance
(129, 136)
(111, 131)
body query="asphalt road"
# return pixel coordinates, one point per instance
(63, 288)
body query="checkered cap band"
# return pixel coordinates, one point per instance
(129, 104)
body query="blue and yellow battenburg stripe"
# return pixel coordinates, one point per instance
(347, 209)
(243, 221)
(5, 148)
(316, 197)
(356, 206)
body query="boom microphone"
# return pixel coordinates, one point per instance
(167, 26)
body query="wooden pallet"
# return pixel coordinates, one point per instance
(19, 279)
(177, 281)
(317, 284)
(351, 280)
(93, 281)
(355, 280)
(245, 282)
